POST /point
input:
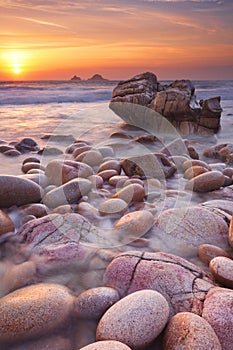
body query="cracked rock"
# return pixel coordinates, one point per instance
(183, 284)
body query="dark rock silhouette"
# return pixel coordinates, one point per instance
(76, 78)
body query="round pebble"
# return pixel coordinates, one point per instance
(91, 157)
(193, 171)
(34, 311)
(222, 270)
(131, 193)
(113, 206)
(207, 252)
(136, 320)
(193, 162)
(188, 331)
(107, 174)
(18, 191)
(68, 193)
(93, 303)
(117, 180)
(110, 165)
(134, 224)
(210, 181)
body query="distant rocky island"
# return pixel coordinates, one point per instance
(76, 78)
(95, 77)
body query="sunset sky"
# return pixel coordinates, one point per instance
(48, 39)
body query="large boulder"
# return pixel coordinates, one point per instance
(183, 284)
(15, 190)
(176, 102)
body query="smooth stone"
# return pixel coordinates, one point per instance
(210, 181)
(182, 224)
(110, 165)
(106, 345)
(134, 224)
(36, 209)
(40, 179)
(194, 171)
(135, 320)
(5, 148)
(183, 284)
(117, 180)
(93, 303)
(113, 206)
(26, 145)
(149, 165)
(6, 224)
(218, 312)
(221, 268)
(131, 193)
(80, 150)
(63, 209)
(27, 218)
(152, 185)
(207, 252)
(133, 181)
(12, 153)
(18, 191)
(193, 162)
(31, 160)
(106, 151)
(18, 276)
(192, 152)
(188, 331)
(31, 165)
(91, 157)
(228, 172)
(60, 172)
(34, 311)
(70, 149)
(107, 174)
(87, 210)
(96, 180)
(69, 193)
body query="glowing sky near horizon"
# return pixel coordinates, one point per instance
(48, 39)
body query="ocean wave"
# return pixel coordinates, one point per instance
(48, 96)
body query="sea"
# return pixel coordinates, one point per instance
(81, 109)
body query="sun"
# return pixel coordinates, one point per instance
(16, 61)
(17, 69)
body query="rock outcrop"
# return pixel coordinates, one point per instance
(176, 102)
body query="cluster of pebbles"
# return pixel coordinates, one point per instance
(106, 248)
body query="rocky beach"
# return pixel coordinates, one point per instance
(121, 238)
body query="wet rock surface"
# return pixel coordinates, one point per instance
(103, 222)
